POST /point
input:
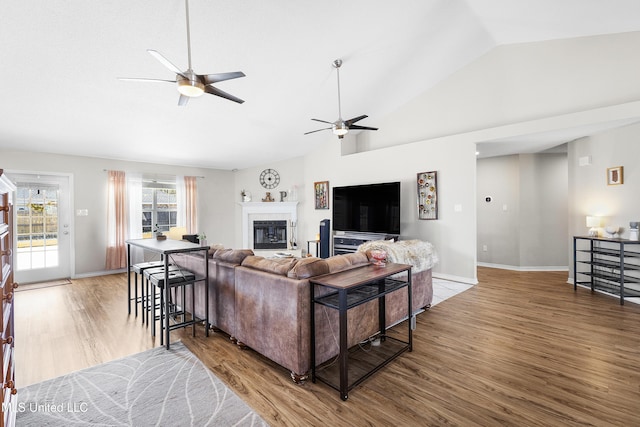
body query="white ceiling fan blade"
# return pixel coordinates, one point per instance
(317, 130)
(134, 79)
(215, 91)
(182, 101)
(164, 61)
(220, 77)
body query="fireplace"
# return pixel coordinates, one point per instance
(270, 234)
(286, 212)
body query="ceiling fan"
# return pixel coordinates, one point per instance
(341, 127)
(190, 84)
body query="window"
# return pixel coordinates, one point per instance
(37, 225)
(159, 207)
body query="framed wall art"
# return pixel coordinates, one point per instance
(427, 195)
(615, 175)
(321, 194)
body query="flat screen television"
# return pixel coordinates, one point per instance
(370, 208)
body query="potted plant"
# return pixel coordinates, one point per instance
(202, 238)
(159, 235)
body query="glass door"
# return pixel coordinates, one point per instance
(43, 230)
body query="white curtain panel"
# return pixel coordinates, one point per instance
(134, 207)
(181, 201)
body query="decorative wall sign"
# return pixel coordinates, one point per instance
(321, 194)
(615, 176)
(427, 195)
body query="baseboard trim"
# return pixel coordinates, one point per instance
(525, 268)
(98, 273)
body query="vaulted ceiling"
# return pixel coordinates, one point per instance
(61, 60)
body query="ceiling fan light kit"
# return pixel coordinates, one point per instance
(191, 88)
(341, 127)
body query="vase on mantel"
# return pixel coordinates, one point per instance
(293, 194)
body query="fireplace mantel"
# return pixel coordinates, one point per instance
(252, 210)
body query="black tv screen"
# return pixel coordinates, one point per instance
(371, 208)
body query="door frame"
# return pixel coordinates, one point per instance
(68, 206)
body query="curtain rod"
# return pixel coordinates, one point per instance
(197, 176)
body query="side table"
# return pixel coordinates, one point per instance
(349, 289)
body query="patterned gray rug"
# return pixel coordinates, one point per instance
(158, 387)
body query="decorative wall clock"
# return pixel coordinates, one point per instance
(269, 178)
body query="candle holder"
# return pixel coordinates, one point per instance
(292, 240)
(379, 257)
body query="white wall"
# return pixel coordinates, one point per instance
(588, 189)
(543, 211)
(524, 227)
(513, 84)
(291, 174)
(498, 230)
(453, 234)
(215, 191)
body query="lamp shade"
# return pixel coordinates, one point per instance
(593, 221)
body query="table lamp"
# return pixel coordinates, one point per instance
(594, 223)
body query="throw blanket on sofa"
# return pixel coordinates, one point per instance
(421, 255)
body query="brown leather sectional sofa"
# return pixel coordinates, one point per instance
(264, 303)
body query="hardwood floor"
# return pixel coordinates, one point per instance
(517, 349)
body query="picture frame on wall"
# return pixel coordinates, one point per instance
(321, 194)
(615, 175)
(427, 184)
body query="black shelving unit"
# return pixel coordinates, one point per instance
(607, 265)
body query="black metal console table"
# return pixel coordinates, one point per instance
(165, 248)
(349, 289)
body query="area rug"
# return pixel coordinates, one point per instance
(158, 387)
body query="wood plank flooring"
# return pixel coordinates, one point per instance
(517, 349)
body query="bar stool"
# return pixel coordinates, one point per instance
(139, 269)
(178, 279)
(149, 302)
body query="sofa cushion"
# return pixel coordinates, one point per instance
(279, 266)
(346, 261)
(308, 267)
(232, 256)
(214, 248)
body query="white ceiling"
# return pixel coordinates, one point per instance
(61, 60)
